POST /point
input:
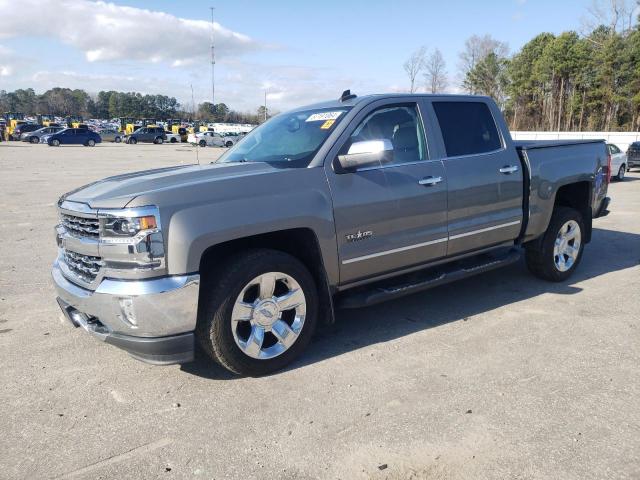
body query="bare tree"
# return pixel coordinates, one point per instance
(435, 73)
(476, 49)
(414, 65)
(617, 15)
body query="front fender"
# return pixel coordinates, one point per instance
(249, 206)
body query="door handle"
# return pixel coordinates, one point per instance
(430, 181)
(507, 169)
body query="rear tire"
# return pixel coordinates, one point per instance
(132, 141)
(117, 140)
(91, 143)
(234, 293)
(173, 140)
(228, 144)
(55, 143)
(34, 140)
(158, 141)
(202, 143)
(556, 254)
(621, 172)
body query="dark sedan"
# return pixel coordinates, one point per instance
(73, 136)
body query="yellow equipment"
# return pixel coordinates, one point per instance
(13, 120)
(11, 127)
(131, 127)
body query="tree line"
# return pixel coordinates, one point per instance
(112, 104)
(571, 82)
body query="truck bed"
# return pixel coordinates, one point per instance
(535, 144)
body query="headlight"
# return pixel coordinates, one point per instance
(131, 240)
(127, 226)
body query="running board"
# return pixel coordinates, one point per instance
(425, 279)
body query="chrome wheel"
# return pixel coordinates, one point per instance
(268, 315)
(567, 246)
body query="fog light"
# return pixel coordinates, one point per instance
(128, 312)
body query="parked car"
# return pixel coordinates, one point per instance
(72, 136)
(211, 139)
(111, 135)
(346, 204)
(618, 162)
(36, 135)
(24, 128)
(633, 156)
(172, 137)
(146, 135)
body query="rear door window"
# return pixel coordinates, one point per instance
(468, 128)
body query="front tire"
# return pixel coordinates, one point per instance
(259, 313)
(158, 141)
(34, 140)
(132, 141)
(621, 172)
(202, 143)
(117, 140)
(556, 254)
(229, 144)
(55, 143)
(91, 143)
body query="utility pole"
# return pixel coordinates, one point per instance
(213, 63)
(265, 105)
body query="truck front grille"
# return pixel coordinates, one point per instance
(81, 226)
(85, 267)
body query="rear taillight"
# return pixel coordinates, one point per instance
(608, 168)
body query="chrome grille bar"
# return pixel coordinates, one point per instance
(81, 226)
(86, 267)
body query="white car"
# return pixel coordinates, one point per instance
(618, 162)
(172, 137)
(210, 139)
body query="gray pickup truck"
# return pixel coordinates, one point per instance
(336, 205)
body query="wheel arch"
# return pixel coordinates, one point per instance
(301, 243)
(577, 195)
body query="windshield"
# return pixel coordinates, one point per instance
(289, 139)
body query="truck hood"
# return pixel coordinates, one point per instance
(118, 191)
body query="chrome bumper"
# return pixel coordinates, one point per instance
(152, 319)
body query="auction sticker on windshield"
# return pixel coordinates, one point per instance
(324, 116)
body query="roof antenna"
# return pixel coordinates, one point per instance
(347, 95)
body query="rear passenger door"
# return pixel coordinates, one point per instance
(485, 179)
(75, 137)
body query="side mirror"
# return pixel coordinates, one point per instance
(365, 154)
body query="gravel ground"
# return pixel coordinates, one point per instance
(499, 376)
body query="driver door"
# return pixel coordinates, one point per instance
(392, 215)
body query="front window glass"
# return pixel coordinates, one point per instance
(287, 140)
(399, 124)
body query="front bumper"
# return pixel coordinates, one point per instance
(152, 319)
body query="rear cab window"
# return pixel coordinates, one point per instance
(467, 128)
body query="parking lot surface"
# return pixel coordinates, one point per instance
(498, 376)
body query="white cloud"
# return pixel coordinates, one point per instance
(106, 32)
(7, 61)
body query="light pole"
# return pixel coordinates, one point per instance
(213, 62)
(265, 105)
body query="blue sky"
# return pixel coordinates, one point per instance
(299, 51)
